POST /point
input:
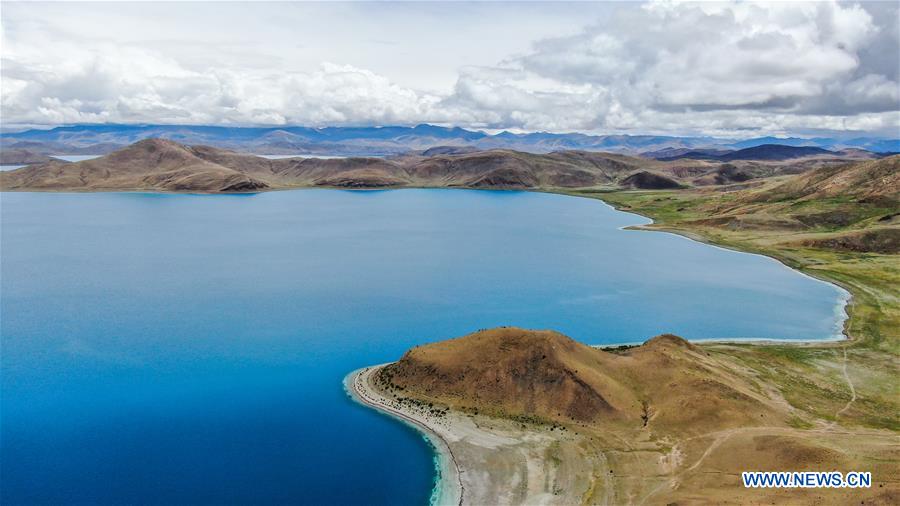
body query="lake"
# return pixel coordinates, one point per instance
(191, 348)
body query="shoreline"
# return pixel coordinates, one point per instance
(846, 295)
(488, 460)
(845, 303)
(448, 488)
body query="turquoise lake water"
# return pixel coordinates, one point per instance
(190, 349)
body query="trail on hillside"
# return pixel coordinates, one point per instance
(849, 383)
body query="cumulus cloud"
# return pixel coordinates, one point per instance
(719, 67)
(669, 67)
(133, 85)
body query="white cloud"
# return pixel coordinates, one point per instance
(713, 68)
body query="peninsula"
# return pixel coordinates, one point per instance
(533, 417)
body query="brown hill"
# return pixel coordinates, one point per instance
(513, 169)
(512, 372)
(14, 156)
(873, 179)
(839, 200)
(152, 164)
(156, 164)
(163, 165)
(646, 180)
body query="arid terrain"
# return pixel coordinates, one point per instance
(22, 157)
(163, 165)
(533, 417)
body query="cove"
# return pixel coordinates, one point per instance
(191, 348)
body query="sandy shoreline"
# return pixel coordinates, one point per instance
(486, 460)
(448, 489)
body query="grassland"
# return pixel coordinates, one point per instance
(855, 382)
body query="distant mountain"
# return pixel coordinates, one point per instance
(774, 152)
(783, 141)
(387, 140)
(391, 140)
(667, 154)
(885, 146)
(763, 152)
(872, 144)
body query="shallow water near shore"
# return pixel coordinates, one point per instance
(191, 348)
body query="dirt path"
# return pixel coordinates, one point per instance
(850, 384)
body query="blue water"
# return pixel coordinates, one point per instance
(76, 158)
(190, 349)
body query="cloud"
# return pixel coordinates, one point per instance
(667, 67)
(672, 63)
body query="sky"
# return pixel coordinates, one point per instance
(681, 68)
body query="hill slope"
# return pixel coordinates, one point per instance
(162, 165)
(667, 383)
(848, 198)
(869, 179)
(18, 156)
(151, 164)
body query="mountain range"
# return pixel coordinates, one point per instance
(165, 165)
(390, 140)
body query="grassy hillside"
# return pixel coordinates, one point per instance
(838, 225)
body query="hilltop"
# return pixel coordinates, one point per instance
(545, 375)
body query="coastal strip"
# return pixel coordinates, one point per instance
(449, 488)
